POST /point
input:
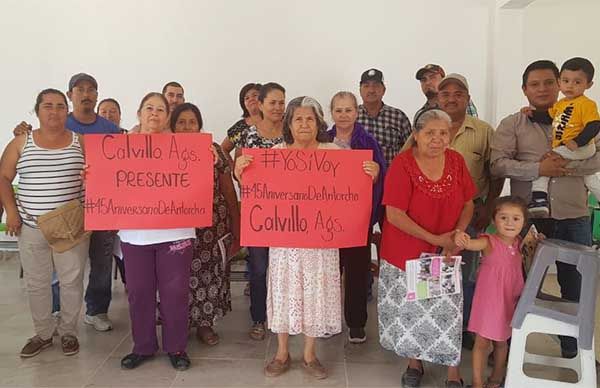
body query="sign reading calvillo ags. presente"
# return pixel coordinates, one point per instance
(305, 198)
(141, 181)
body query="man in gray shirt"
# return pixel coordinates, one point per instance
(521, 151)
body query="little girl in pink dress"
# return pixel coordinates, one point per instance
(498, 288)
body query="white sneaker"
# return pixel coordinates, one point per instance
(100, 322)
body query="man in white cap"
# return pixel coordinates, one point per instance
(389, 125)
(430, 76)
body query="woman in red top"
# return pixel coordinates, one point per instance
(428, 197)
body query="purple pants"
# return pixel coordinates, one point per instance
(164, 267)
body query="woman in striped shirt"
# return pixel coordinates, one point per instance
(49, 161)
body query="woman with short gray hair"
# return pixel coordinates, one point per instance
(303, 285)
(355, 262)
(428, 196)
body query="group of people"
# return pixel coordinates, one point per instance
(436, 188)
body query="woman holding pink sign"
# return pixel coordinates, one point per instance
(303, 285)
(428, 196)
(210, 295)
(157, 260)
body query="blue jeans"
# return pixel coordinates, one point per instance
(577, 230)
(99, 290)
(258, 262)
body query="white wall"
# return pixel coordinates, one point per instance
(546, 29)
(311, 47)
(214, 47)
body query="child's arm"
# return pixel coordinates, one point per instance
(589, 132)
(464, 241)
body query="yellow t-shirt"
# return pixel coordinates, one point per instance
(570, 117)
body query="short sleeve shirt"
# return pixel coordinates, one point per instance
(237, 133)
(473, 141)
(253, 139)
(100, 126)
(434, 205)
(390, 128)
(570, 117)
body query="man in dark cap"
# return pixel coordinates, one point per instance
(387, 124)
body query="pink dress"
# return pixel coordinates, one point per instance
(497, 291)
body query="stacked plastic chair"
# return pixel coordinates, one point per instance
(556, 317)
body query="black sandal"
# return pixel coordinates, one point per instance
(133, 360)
(180, 360)
(455, 384)
(412, 378)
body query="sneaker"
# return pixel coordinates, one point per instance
(538, 207)
(357, 335)
(180, 361)
(315, 369)
(133, 360)
(70, 345)
(34, 346)
(99, 321)
(277, 368)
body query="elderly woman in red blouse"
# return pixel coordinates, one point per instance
(428, 197)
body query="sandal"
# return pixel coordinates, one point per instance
(412, 378)
(207, 335)
(257, 331)
(277, 368)
(315, 369)
(455, 384)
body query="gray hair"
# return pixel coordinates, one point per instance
(304, 102)
(421, 120)
(343, 94)
(426, 116)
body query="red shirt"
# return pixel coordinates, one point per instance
(435, 206)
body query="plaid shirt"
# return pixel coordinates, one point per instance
(472, 109)
(390, 128)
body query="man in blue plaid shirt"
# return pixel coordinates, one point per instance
(387, 124)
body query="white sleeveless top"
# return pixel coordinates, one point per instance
(48, 178)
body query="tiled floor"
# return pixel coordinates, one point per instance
(236, 361)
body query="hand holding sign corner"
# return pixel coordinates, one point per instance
(300, 198)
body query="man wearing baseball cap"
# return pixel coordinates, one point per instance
(430, 76)
(472, 138)
(387, 124)
(83, 93)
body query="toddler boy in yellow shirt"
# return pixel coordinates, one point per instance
(575, 123)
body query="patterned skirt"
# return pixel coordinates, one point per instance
(428, 330)
(303, 291)
(210, 295)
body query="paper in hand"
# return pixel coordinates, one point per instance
(528, 246)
